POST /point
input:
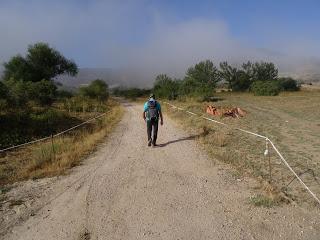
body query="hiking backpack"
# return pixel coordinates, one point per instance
(152, 110)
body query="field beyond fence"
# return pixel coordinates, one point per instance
(290, 120)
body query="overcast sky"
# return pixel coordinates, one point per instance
(163, 36)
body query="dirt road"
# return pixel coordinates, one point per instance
(130, 191)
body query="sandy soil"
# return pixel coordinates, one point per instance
(127, 190)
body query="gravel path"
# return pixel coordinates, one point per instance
(127, 190)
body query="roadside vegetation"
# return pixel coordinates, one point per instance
(131, 93)
(201, 80)
(275, 108)
(33, 106)
(290, 120)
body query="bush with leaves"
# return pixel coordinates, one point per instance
(64, 94)
(3, 96)
(97, 89)
(288, 84)
(238, 80)
(266, 88)
(18, 93)
(165, 87)
(43, 92)
(201, 79)
(31, 77)
(260, 71)
(131, 93)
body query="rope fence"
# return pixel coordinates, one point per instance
(52, 136)
(259, 136)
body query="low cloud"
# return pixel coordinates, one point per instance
(134, 37)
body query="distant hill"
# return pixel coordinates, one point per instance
(307, 70)
(113, 77)
(86, 75)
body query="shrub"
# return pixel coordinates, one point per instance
(266, 88)
(3, 90)
(242, 82)
(288, 84)
(18, 92)
(97, 89)
(83, 104)
(260, 71)
(3, 96)
(165, 87)
(63, 94)
(21, 92)
(131, 93)
(43, 92)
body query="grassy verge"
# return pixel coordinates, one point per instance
(290, 120)
(54, 157)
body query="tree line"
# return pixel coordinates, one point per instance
(33, 104)
(202, 79)
(30, 80)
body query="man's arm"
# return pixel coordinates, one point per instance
(144, 115)
(160, 113)
(161, 117)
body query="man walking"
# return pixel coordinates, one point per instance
(151, 114)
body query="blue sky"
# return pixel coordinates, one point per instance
(165, 35)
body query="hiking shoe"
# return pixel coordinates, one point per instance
(149, 143)
(154, 144)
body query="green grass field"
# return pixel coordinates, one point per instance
(290, 120)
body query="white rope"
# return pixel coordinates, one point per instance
(294, 173)
(192, 113)
(252, 133)
(55, 135)
(209, 119)
(267, 140)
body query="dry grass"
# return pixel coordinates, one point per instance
(290, 120)
(55, 157)
(260, 200)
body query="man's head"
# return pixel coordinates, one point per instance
(152, 96)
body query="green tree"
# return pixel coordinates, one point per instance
(201, 79)
(165, 87)
(242, 81)
(238, 80)
(264, 71)
(31, 77)
(249, 70)
(41, 62)
(97, 89)
(228, 74)
(253, 72)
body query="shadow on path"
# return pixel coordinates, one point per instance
(192, 137)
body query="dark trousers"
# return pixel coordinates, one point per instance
(152, 128)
